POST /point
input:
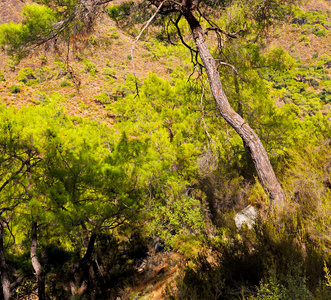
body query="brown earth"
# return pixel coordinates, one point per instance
(10, 10)
(288, 36)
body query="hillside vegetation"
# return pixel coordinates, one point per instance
(122, 181)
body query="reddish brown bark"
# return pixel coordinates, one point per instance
(259, 155)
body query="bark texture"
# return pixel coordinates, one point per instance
(251, 140)
(79, 284)
(6, 289)
(41, 278)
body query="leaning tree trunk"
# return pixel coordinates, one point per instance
(259, 155)
(6, 289)
(41, 278)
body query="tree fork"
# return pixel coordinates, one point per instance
(259, 155)
(84, 263)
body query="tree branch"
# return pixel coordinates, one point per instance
(233, 68)
(229, 34)
(137, 39)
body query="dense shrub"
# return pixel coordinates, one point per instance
(15, 89)
(90, 67)
(27, 76)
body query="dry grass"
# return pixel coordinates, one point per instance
(10, 10)
(288, 36)
(160, 269)
(107, 51)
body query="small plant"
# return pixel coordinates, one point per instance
(92, 40)
(109, 73)
(113, 33)
(303, 38)
(15, 89)
(11, 64)
(82, 105)
(2, 77)
(271, 291)
(60, 68)
(327, 274)
(90, 67)
(319, 30)
(119, 12)
(79, 56)
(27, 76)
(103, 99)
(65, 83)
(44, 73)
(43, 59)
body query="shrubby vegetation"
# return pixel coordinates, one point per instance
(38, 19)
(168, 173)
(313, 21)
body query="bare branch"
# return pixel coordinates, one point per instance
(13, 176)
(180, 35)
(202, 109)
(137, 39)
(210, 22)
(229, 34)
(233, 68)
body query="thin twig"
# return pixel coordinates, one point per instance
(202, 113)
(234, 69)
(202, 109)
(137, 39)
(233, 35)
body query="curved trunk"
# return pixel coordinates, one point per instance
(259, 155)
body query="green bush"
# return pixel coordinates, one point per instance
(304, 38)
(103, 99)
(15, 89)
(271, 290)
(296, 287)
(27, 76)
(37, 22)
(2, 77)
(113, 33)
(31, 82)
(119, 12)
(65, 83)
(90, 67)
(313, 21)
(109, 73)
(44, 73)
(319, 30)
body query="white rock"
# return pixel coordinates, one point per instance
(247, 215)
